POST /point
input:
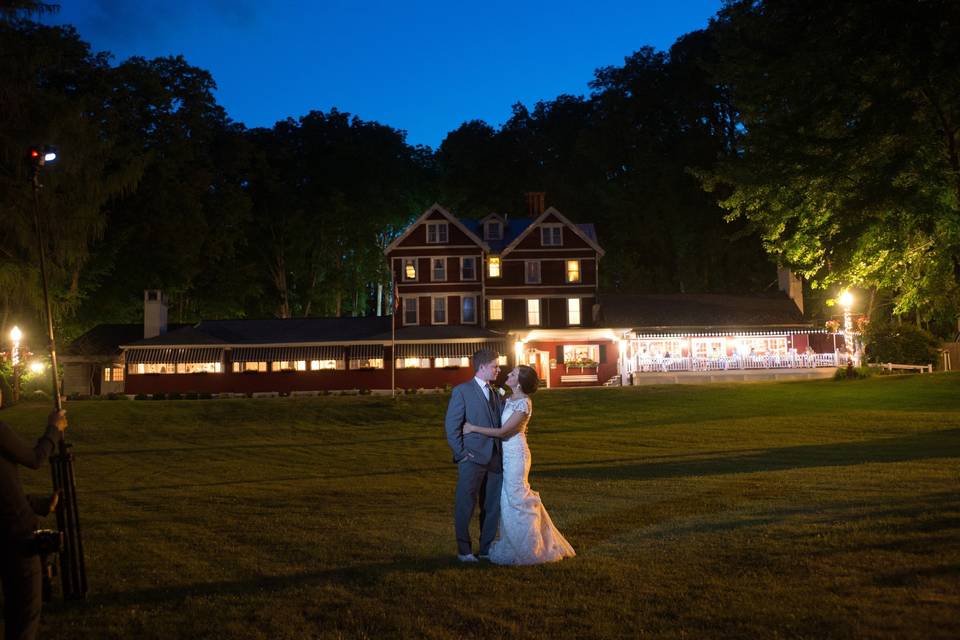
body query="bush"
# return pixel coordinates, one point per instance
(158, 396)
(113, 395)
(899, 344)
(206, 396)
(174, 396)
(365, 392)
(852, 373)
(141, 396)
(192, 396)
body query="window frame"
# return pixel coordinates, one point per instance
(550, 227)
(436, 226)
(403, 269)
(493, 224)
(526, 272)
(579, 312)
(433, 310)
(539, 312)
(416, 309)
(433, 269)
(464, 260)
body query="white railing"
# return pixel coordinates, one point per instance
(723, 363)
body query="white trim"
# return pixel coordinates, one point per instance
(551, 211)
(521, 258)
(476, 260)
(526, 311)
(449, 216)
(435, 247)
(433, 310)
(526, 272)
(403, 310)
(476, 311)
(491, 318)
(544, 226)
(443, 261)
(403, 269)
(438, 224)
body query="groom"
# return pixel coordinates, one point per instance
(477, 456)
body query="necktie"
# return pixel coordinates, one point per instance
(492, 400)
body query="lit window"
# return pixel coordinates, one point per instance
(439, 269)
(468, 268)
(437, 232)
(469, 312)
(320, 365)
(366, 363)
(584, 355)
(300, 365)
(573, 311)
(493, 267)
(410, 310)
(440, 310)
(533, 312)
(415, 362)
(502, 360)
(573, 271)
(496, 309)
(451, 362)
(409, 269)
(117, 374)
(533, 271)
(551, 235)
(256, 367)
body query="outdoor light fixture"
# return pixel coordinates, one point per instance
(15, 336)
(36, 366)
(43, 155)
(518, 350)
(846, 299)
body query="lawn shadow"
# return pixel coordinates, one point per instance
(923, 446)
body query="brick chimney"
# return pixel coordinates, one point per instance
(535, 203)
(791, 285)
(154, 313)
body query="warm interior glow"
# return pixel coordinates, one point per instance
(493, 269)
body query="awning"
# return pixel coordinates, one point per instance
(287, 354)
(172, 355)
(448, 350)
(366, 351)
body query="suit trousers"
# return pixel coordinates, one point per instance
(22, 594)
(475, 482)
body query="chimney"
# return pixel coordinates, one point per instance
(791, 285)
(154, 313)
(535, 200)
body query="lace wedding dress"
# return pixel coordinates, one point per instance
(527, 535)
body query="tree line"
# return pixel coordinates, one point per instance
(811, 135)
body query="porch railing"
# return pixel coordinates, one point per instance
(723, 363)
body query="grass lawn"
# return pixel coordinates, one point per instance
(780, 510)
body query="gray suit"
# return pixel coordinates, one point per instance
(478, 459)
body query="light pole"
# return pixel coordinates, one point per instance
(73, 571)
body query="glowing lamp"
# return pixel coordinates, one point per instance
(36, 366)
(846, 299)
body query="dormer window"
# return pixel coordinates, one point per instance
(493, 230)
(551, 235)
(437, 232)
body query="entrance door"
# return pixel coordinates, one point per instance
(540, 361)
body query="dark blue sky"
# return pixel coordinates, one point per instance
(424, 66)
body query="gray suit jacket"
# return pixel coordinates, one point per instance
(468, 404)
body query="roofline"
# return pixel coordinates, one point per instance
(523, 234)
(436, 207)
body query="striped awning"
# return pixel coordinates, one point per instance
(366, 351)
(287, 354)
(448, 349)
(172, 355)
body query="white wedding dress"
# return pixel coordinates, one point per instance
(527, 535)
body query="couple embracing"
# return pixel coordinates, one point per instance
(488, 437)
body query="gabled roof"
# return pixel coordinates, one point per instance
(493, 216)
(274, 331)
(584, 234)
(105, 339)
(449, 216)
(692, 311)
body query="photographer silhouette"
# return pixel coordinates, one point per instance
(21, 567)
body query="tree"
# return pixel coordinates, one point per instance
(847, 154)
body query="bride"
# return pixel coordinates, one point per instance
(527, 535)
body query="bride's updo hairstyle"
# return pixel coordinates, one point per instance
(528, 379)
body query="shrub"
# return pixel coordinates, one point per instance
(141, 396)
(410, 392)
(900, 344)
(113, 395)
(852, 373)
(193, 395)
(174, 396)
(206, 396)
(365, 392)
(158, 396)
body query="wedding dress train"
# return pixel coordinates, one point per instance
(527, 534)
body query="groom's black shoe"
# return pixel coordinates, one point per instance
(484, 555)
